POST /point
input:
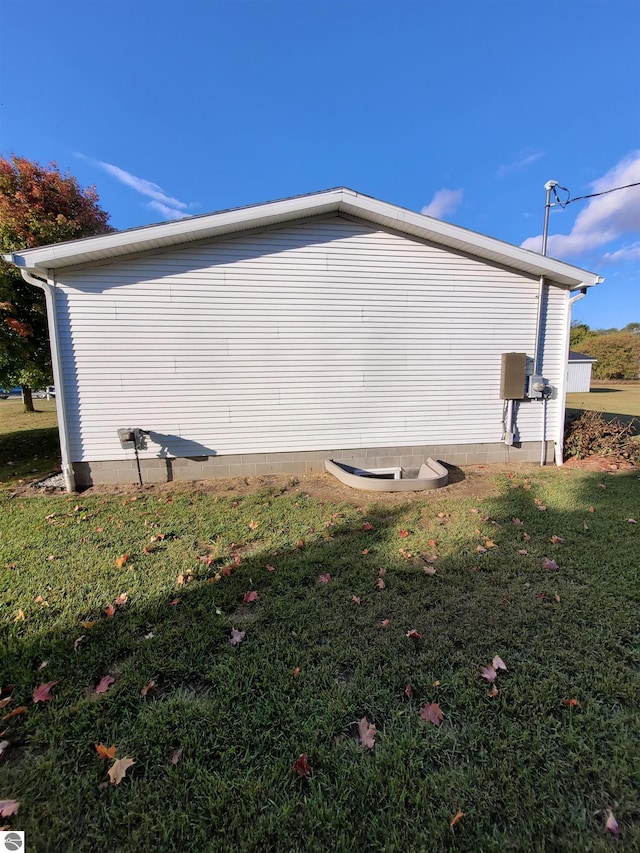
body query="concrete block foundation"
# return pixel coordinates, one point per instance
(194, 468)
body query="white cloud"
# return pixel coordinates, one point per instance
(624, 253)
(443, 202)
(525, 158)
(168, 207)
(603, 219)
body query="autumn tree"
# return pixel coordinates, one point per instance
(618, 354)
(38, 205)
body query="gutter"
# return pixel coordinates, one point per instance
(562, 391)
(54, 338)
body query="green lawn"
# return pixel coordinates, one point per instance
(614, 401)
(528, 770)
(29, 446)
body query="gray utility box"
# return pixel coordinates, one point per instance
(513, 375)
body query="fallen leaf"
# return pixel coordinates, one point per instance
(296, 672)
(493, 692)
(611, 825)
(456, 819)
(110, 611)
(540, 595)
(517, 522)
(385, 623)
(271, 568)
(432, 543)
(118, 769)
(365, 551)
(367, 525)
(176, 756)
(104, 684)
(382, 573)
(4, 702)
(43, 693)
(324, 578)
(526, 537)
(237, 637)
(15, 713)
(432, 713)
(481, 549)
(523, 552)
(19, 616)
(541, 507)
(301, 766)
(174, 601)
(355, 599)
(601, 486)
(9, 808)
(488, 672)
(550, 565)
(404, 533)
(78, 641)
(414, 635)
(380, 584)
(3, 745)
(571, 703)
(88, 625)
(630, 521)
(557, 597)
(408, 691)
(253, 524)
(498, 663)
(108, 752)
(300, 544)
(557, 540)
(592, 509)
(44, 664)
(147, 688)
(250, 596)
(120, 561)
(436, 684)
(367, 732)
(180, 580)
(489, 543)
(429, 570)
(406, 554)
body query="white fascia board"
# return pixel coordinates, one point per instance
(340, 200)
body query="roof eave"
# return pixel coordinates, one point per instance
(341, 200)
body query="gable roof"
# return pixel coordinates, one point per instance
(335, 201)
(580, 356)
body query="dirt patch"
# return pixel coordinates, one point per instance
(477, 481)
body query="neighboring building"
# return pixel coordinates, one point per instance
(579, 372)
(268, 338)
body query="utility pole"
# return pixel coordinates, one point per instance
(549, 186)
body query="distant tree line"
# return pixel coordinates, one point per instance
(617, 350)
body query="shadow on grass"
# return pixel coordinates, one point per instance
(29, 454)
(522, 766)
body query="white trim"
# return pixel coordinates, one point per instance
(340, 200)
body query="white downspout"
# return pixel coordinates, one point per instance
(54, 337)
(562, 391)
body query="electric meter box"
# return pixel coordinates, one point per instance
(513, 375)
(536, 386)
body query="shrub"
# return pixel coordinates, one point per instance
(590, 434)
(618, 354)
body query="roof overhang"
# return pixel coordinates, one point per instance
(341, 200)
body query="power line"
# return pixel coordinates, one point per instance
(569, 200)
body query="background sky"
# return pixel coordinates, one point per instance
(460, 108)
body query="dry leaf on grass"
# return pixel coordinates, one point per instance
(612, 824)
(118, 769)
(367, 732)
(15, 713)
(250, 596)
(236, 637)
(301, 766)
(456, 819)
(176, 756)
(43, 693)
(104, 684)
(121, 560)
(106, 752)
(432, 713)
(324, 578)
(9, 807)
(110, 611)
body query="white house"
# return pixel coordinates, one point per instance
(579, 372)
(268, 338)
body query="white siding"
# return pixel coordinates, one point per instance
(578, 376)
(320, 335)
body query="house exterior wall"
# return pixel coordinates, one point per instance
(578, 376)
(320, 337)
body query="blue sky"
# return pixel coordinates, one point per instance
(461, 108)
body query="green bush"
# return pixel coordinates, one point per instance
(618, 354)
